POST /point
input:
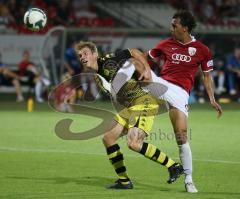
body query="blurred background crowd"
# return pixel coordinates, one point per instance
(86, 13)
(219, 28)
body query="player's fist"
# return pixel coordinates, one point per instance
(217, 107)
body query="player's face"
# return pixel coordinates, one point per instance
(177, 29)
(26, 55)
(87, 58)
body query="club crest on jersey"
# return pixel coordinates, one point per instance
(192, 51)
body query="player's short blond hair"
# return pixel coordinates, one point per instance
(88, 44)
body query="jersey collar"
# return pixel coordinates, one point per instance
(193, 40)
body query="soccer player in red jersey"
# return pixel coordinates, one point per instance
(182, 55)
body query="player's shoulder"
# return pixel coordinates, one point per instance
(203, 48)
(201, 45)
(106, 60)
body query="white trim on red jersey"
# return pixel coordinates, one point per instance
(149, 52)
(193, 40)
(206, 71)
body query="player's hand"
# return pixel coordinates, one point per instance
(146, 76)
(217, 107)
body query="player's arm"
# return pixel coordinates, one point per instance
(141, 64)
(208, 84)
(4, 70)
(207, 67)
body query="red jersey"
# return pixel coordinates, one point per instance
(23, 66)
(63, 92)
(181, 61)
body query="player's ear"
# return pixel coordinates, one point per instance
(95, 55)
(185, 29)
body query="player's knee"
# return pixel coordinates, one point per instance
(15, 81)
(133, 145)
(181, 136)
(108, 139)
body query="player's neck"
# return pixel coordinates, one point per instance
(186, 39)
(95, 66)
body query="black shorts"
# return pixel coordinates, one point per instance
(5, 80)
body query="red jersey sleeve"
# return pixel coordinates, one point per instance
(207, 62)
(156, 52)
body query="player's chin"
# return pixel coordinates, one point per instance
(87, 66)
(90, 67)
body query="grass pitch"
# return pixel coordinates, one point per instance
(35, 163)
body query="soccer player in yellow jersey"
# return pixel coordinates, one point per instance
(137, 116)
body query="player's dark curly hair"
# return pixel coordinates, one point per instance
(186, 19)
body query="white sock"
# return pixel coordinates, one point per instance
(221, 79)
(38, 89)
(185, 155)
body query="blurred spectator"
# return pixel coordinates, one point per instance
(82, 9)
(212, 12)
(73, 67)
(233, 65)
(219, 75)
(64, 95)
(5, 16)
(7, 76)
(35, 80)
(219, 72)
(65, 13)
(72, 64)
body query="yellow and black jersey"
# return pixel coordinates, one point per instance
(111, 63)
(108, 68)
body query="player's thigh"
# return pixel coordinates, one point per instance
(179, 123)
(143, 113)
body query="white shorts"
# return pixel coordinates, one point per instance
(175, 95)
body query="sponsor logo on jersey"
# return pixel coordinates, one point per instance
(210, 63)
(192, 51)
(180, 57)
